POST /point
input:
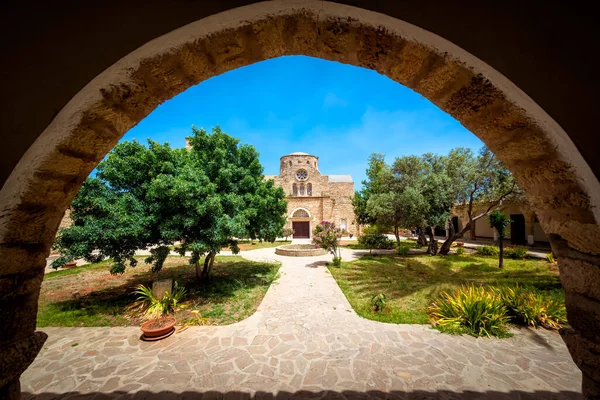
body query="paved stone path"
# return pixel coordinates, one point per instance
(305, 341)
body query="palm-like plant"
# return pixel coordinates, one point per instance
(500, 221)
(154, 307)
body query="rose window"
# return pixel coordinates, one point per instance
(302, 175)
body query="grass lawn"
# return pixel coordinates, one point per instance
(411, 283)
(235, 290)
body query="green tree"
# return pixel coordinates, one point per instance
(153, 196)
(376, 163)
(500, 221)
(475, 181)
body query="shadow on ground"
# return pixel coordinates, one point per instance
(328, 394)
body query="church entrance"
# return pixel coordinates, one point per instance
(301, 229)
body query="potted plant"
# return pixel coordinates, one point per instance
(159, 324)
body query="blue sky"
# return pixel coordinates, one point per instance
(337, 112)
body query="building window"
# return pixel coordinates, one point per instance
(295, 189)
(308, 162)
(309, 189)
(300, 214)
(290, 163)
(302, 189)
(343, 225)
(302, 174)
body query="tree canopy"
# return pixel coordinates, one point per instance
(151, 197)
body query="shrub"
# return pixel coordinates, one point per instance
(287, 232)
(403, 250)
(517, 252)
(378, 302)
(488, 251)
(550, 258)
(473, 310)
(337, 261)
(153, 307)
(531, 308)
(460, 250)
(372, 239)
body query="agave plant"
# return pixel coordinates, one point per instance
(153, 307)
(378, 302)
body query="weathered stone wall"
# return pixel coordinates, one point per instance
(330, 201)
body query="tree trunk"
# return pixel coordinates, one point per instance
(397, 234)
(451, 227)
(501, 245)
(433, 244)
(208, 263)
(422, 239)
(445, 249)
(198, 268)
(473, 229)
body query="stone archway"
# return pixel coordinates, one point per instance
(558, 183)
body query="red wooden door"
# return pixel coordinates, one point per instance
(301, 230)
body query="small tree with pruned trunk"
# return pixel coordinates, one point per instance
(499, 221)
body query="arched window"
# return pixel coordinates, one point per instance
(300, 214)
(302, 189)
(343, 225)
(295, 189)
(290, 163)
(308, 162)
(309, 189)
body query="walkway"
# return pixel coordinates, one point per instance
(305, 341)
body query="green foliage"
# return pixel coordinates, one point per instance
(287, 232)
(378, 302)
(481, 310)
(472, 309)
(550, 258)
(459, 251)
(153, 307)
(488, 251)
(499, 221)
(516, 253)
(372, 238)
(527, 306)
(327, 236)
(403, 250)
(337, 261)
(153, 196)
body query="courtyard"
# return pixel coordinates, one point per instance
(304, 341)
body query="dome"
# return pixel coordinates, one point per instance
(299, 153)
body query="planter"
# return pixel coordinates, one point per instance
(157, 329)
(70, 264)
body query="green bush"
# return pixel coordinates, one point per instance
(473, 310)
(378, 302)
(376, 241)
(337, 261)
(460, 250)
(550, 258)
(529, 307)
(488, 251)
(484, 311)
(403, 250)
(517, 252)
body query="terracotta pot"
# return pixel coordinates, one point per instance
(167, 325)
(70, 264)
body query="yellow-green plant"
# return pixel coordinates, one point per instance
(470, 309)
(378, 302)
(154, 307)
(528, 307)
(550, 258)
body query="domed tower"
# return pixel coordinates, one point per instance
(296, 161)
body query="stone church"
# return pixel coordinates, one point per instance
(313, 197)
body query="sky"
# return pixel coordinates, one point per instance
(337, 112)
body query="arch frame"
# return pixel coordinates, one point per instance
(300, 209)
(559, 184)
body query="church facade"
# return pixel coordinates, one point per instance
(313, 197)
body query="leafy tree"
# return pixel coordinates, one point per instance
(480, 180)
(153, 196)
(287, 232)
(500, 221)
(370, 186)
